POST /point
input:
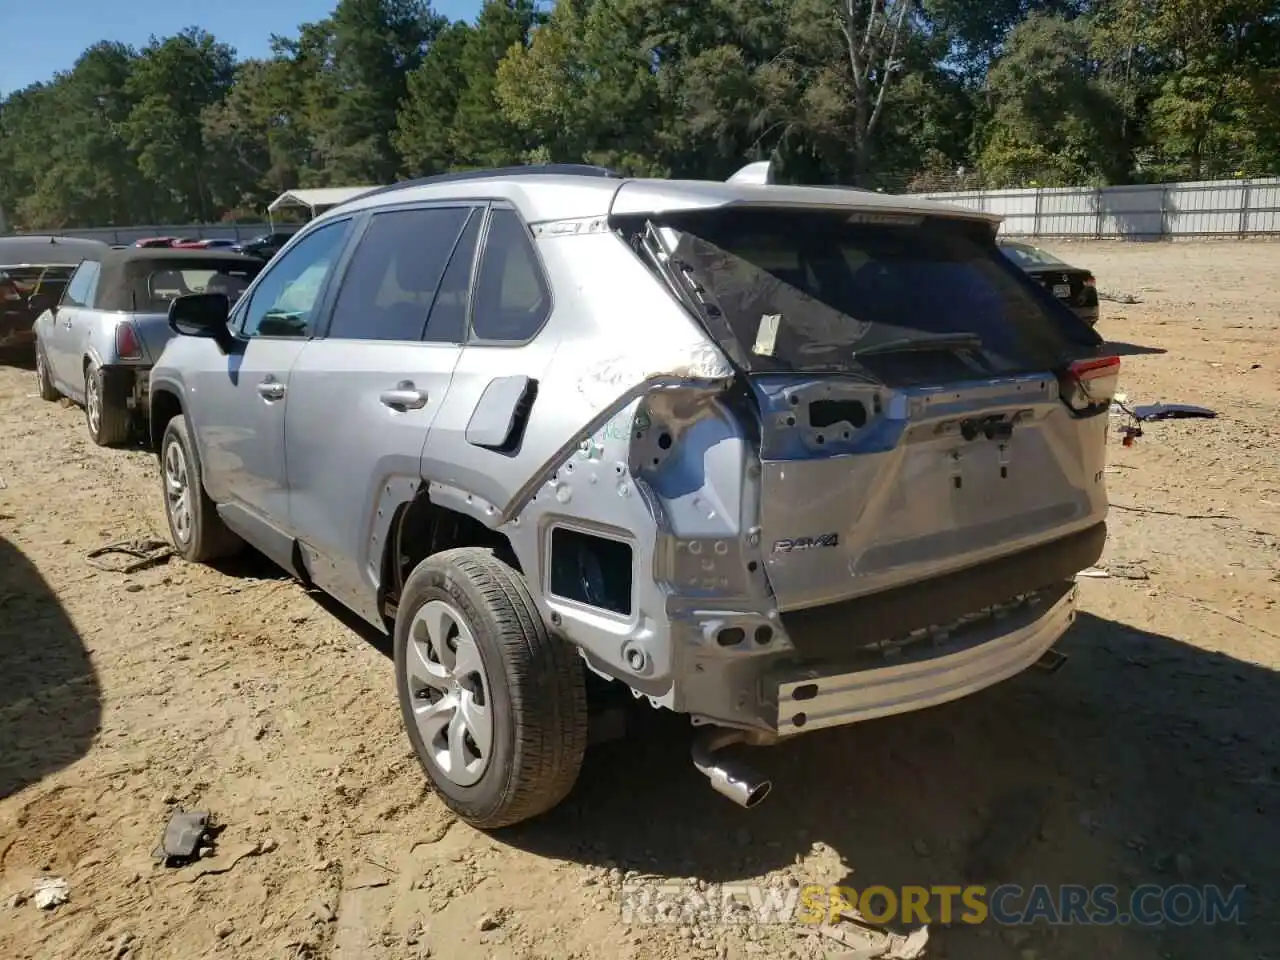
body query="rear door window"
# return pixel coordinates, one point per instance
(448, 320)
(804, 290)
(395, 274)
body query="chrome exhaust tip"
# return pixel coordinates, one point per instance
(734, 780)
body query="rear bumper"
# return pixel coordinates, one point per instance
(128, 385)
(890, 652)
(968, 660)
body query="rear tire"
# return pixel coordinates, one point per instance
(44, 382)
(198, 533)
(508, 699)
(109, 421)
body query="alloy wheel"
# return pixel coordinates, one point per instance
(177, 490)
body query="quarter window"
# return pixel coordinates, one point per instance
(511, 297)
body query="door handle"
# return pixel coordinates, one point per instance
(271, 389)
(405, 396)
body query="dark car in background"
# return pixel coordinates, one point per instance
(33, 272)
(1074, 286)
(267, 245)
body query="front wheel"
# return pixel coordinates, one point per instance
(198, 533)
(495, 706)
(44, 382)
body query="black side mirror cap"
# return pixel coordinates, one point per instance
(202, 315)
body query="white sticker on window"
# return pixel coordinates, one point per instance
(767, 334)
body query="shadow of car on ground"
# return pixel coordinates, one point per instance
(50, 702)
(1142, 760)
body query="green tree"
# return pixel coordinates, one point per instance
(482, 134)
(173, 81)
(65, 157)
(424, 124)
(258, 133)
(360, 59)
(1051, 120)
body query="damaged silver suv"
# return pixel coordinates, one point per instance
(777, 458)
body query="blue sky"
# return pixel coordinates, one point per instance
(41, 37)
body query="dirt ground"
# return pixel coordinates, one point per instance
(1151, 756)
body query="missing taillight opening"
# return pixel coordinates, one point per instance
(128, 346)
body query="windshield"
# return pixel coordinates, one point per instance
(890, 298)
(1025, 255)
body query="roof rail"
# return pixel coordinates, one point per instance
(538, 169)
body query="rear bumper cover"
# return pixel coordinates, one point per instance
(970, 659)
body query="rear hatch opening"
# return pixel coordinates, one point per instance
(924, 405)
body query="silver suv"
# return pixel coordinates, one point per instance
(778, 458)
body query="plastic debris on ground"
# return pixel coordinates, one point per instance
(144, 553)
(50, 892)
(183, 836)
(1137, 415)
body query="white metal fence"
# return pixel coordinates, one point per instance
(1209, 208)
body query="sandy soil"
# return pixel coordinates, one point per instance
(1151, 756)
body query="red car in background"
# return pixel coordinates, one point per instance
(209, 243)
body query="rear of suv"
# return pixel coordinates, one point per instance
(777, 458)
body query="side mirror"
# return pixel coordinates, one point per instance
(202, 315)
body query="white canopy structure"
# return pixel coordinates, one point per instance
(316, 200)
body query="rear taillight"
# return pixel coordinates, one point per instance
(128, 347)
(1090, 385)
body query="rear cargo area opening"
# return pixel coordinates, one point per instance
(896, 299)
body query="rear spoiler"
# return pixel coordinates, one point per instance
(760, 173)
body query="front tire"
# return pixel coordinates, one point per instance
(198, 533)
(106, 417)
(44, 382)
(495, 706)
